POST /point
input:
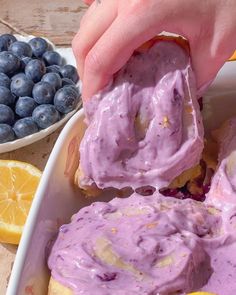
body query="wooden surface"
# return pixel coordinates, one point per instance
(57, 20)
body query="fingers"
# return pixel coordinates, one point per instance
(88, 2)
(209, 55)
(95, 22)
(113, 50)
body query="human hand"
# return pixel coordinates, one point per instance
(112, 29)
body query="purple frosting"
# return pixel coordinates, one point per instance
(223, 187)
(144, 129)
(142, 126)
(145, 245)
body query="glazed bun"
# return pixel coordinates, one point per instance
(56, 288)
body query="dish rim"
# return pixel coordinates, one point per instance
(34, 210)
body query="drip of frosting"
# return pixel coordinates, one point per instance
(223, 187)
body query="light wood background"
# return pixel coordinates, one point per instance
(58, 20)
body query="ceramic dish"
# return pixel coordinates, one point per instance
(68, 56)
(57, 198)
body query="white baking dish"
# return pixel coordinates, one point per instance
(57, 198)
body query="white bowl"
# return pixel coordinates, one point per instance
(68, 56)
(57, 198)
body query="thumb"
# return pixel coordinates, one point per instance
(209, 55)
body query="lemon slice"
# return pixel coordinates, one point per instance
(18, 183)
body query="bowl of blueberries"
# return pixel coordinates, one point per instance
(39, 89)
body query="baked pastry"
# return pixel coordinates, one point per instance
(223, 187)
(144, 245)
(56, 288)
(145, 128)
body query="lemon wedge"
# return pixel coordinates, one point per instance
(18, 183)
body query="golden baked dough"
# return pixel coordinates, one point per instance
(89, 191)
(56, 288)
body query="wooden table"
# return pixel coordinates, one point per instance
(57, 20)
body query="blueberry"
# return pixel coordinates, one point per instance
(25, 127)
(35, 69)
(74, 88)
(24, 61)
(6, 96)
(6, 40)
(107, 277)
(19, 75)
(69, 71)
(43, 92)
(66, 99)
(9, 63)
(16, 76)
(20, 49)
(53, 69)
(4, 80)
(54, 79)
(52, 58)
(38, 46)
(6, 115)
(25, 106)
(67, 81)
(2, 45)
(6, 133)
(21, 85)
(45, 115)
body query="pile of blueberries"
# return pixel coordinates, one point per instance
(36, 87)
